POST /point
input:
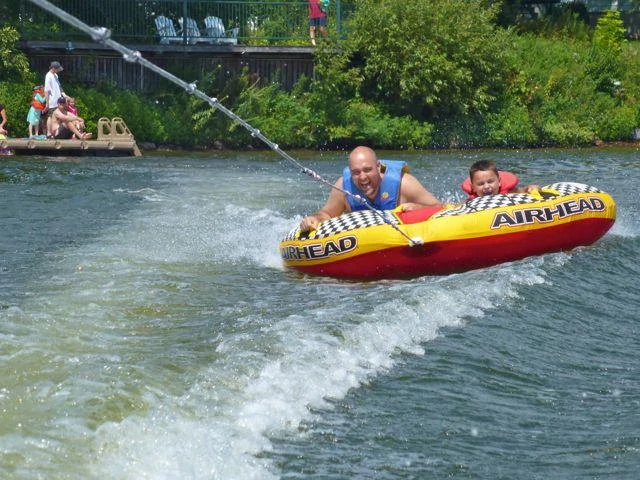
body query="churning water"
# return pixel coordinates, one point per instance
(149, 331)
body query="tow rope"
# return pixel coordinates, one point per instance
(102, 35)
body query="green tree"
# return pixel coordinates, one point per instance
(14, 65)
(427, 58)
(610, 33)
(605, 62)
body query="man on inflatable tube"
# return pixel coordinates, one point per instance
(385, 185)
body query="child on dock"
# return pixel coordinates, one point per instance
(34, 117)
(73, 110)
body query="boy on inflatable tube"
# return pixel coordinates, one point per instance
(486, 179)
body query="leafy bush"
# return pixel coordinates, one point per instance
(567, 133)
(511, 126)
(212, 127)
(367, 124)
(16, 97)
(14, 65)
(612, 122)
(609, 34)
(560, 22)
(285, 119)
(426, 58)
(555, 86)
(142, 116)
(605, 62)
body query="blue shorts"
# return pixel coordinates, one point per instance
(318, 22)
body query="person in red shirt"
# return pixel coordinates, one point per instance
(317, 20)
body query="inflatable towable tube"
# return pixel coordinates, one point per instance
(479, 233)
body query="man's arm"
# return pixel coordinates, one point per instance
(65, 117)
(59, 116)
(526, 188)
(336, 205)
(47, 92)
(413, 195)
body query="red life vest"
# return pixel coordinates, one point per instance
(508, 182)
(38, 104)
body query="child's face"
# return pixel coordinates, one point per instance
(485, 182)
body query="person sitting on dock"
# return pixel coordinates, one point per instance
(73, 110)
(486, 179)
(384, 184)
(65, 125)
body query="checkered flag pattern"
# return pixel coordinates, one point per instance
(568, 188)
(346, 222)
(488, 202)
(503, 200)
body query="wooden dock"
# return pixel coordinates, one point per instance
(113, 139)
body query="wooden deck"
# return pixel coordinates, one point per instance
(90, 63)
(114, 139)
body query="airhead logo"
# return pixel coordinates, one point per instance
(525, 216)
(319, 250)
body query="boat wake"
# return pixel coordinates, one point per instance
(276, 371)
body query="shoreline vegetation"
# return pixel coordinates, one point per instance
(420, 75)
(168, 149)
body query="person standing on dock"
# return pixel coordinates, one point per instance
(52, 91)
(317, 19)
(34, 117)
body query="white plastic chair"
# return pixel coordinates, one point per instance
(217, 32)
(193, 32)
(166, 30)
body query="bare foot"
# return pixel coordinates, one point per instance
(87, 136)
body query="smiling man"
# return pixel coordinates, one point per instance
(385, 185)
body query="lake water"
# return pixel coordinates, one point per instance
(149, 331)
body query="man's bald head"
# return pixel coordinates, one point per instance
(362, 154)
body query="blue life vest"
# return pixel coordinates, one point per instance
(389, 192)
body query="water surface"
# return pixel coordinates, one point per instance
(148, 330)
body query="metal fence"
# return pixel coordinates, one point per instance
(257, 22)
